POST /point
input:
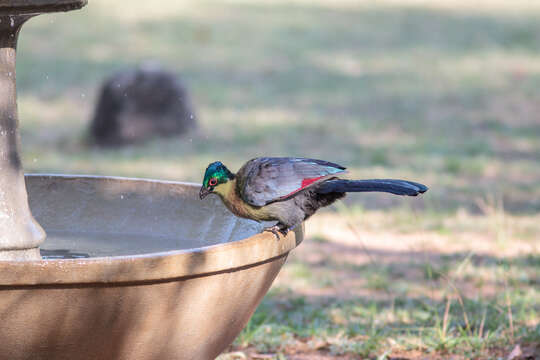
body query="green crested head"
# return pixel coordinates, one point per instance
(216, 173)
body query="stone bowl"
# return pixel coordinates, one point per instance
(134, 269)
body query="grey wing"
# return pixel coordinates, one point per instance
(272, 179)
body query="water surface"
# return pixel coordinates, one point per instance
(69, 245)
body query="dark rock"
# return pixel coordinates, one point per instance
(138, 104)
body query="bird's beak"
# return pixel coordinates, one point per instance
(203, 192)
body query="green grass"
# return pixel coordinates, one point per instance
(400, 318)
(367, 328)
(442, 92)
(400, 293)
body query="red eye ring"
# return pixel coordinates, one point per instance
(212, 182)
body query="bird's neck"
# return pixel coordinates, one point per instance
(226, 191)
(232, 200)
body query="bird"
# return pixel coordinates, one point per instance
(289, 189)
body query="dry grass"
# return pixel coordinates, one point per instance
(359, 288)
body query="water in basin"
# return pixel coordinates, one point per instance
(70, 245)
(87, 216)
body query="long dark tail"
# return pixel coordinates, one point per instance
(397, 187)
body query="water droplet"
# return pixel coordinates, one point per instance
(191, 116)
(83, 95)
(35, 160)
(121, 196)
(11, 21)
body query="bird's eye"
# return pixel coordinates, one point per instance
(212, 182)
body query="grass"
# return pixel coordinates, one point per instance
(366, 328)
(443, 92)
(401, 297)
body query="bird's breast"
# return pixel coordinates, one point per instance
(239, 207)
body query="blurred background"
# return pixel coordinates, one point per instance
(443, 92)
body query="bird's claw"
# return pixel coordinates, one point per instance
(276, 230)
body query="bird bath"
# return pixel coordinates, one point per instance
(131, 268)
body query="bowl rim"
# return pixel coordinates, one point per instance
(151, 267)
(35, 7)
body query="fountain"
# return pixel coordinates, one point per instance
(129, 268)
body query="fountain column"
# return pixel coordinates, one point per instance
(20, 234)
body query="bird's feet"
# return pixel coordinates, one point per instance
(276, 230)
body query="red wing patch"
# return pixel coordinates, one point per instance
(309, 181)
(305, 183)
